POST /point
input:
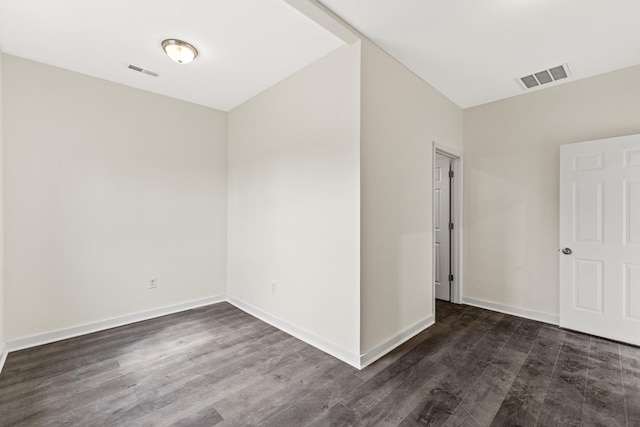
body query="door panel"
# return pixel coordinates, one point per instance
(632, 291)
(438, 272)
(600, 223)
(588, 211)
(437, 200)
(632, 158)
(587, 162)
(441, 221)
(632, 212)
(588, 285)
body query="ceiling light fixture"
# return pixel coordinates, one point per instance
(179, 51)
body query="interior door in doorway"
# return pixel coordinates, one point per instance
(442, 234)
(600, 238)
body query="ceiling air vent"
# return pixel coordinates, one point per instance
(142, 70)
(544, 77)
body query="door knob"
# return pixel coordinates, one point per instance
(567, 251)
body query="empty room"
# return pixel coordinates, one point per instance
(319, 213)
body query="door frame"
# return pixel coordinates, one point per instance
(456, 216)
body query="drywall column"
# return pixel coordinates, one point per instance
(511, 175)
(401, 118)
(105, 187)
(294, 205)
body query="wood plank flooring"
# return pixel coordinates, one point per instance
(220, 366)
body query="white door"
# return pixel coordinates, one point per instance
(600, 236)
(441, 192)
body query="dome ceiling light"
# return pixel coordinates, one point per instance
(180, 51)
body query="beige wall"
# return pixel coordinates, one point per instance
(401, 118)
(1, 223)
(105, 187)
(511, 182)
(294, 211)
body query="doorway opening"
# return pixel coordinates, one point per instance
(447, 224)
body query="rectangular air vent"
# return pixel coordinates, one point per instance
(544, 77)
(142, 70)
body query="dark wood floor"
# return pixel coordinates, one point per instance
(220, 366)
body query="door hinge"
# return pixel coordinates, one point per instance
(450, 174)
(450, 226)
(451, 277)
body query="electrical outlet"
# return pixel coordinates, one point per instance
(153, 283)
(273, 288)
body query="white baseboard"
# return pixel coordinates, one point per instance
(62, 334)
(298, 332)
(381, 349)
(351, 358)
(514, 311)
(3, 354)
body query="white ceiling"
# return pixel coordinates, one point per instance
(245, 46)
(472, 50)
(469, 50)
